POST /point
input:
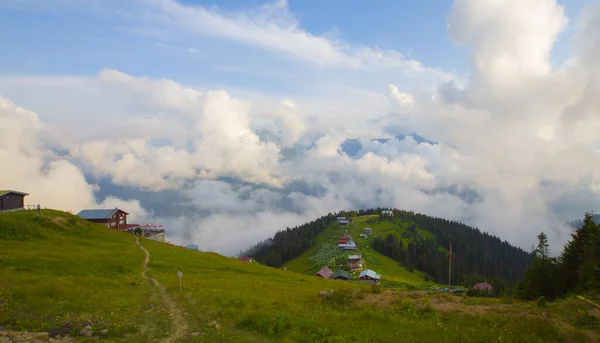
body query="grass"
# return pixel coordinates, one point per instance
(60, 271)
(325, 251)
(57, 272)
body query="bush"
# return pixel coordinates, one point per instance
(585, 320)
(541, 302)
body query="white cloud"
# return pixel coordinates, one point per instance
(511, 40)
(274, 28)
(401, 98)
(52, 181)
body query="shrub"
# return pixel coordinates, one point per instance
(541, 302)
(585, 320)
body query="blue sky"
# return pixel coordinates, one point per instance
(68, 38)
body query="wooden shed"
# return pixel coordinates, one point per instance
(12, 200)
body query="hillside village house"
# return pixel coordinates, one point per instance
(368, 230)
(356, 266)
(12, 200)
(355, 258)
(362, 235)
(484, 287)
(325, 273)
(113, 218)
(245, 258)
(369, 276)
(341, 275)
(387, 213)
(350, 246)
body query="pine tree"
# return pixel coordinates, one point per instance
(540, 277)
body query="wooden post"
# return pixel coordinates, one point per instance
(450, 267)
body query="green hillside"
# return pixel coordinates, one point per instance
(326, 253)
(58, 272)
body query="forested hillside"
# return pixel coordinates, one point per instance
(476, 255)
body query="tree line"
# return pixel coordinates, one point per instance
(477, 256)
(575, 270)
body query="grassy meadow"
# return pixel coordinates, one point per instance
(58, 271)
(317, 256)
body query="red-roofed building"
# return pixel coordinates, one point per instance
(325, 273)
(245, 258)
(484, 286)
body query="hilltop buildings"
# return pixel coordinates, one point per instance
(114, 218)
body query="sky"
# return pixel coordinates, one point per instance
(227, 121)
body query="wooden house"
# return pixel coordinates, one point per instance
(325, 273)
(355, 266)
(12, 200)
(192, 247)
(483, 287)
(369, 276)
(113, 218)
(341, 275)
(245, 258)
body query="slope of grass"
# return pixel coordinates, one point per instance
(58, 270)
(392, 273)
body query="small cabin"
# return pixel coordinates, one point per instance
(245, 258)
(192, 247)
(12, 200)
(368, 230)
(325, 273)
(341, 275)
(483, 287)
(369, 276)
(113, 218)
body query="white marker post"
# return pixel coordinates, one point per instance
(180, 274)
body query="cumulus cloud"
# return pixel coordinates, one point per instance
(510, 40)
(52, 180)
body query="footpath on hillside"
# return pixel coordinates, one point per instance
(177, 320)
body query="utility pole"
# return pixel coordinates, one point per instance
(450, 267)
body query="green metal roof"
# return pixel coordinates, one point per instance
(341, 273)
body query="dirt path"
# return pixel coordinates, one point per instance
(177, 320)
